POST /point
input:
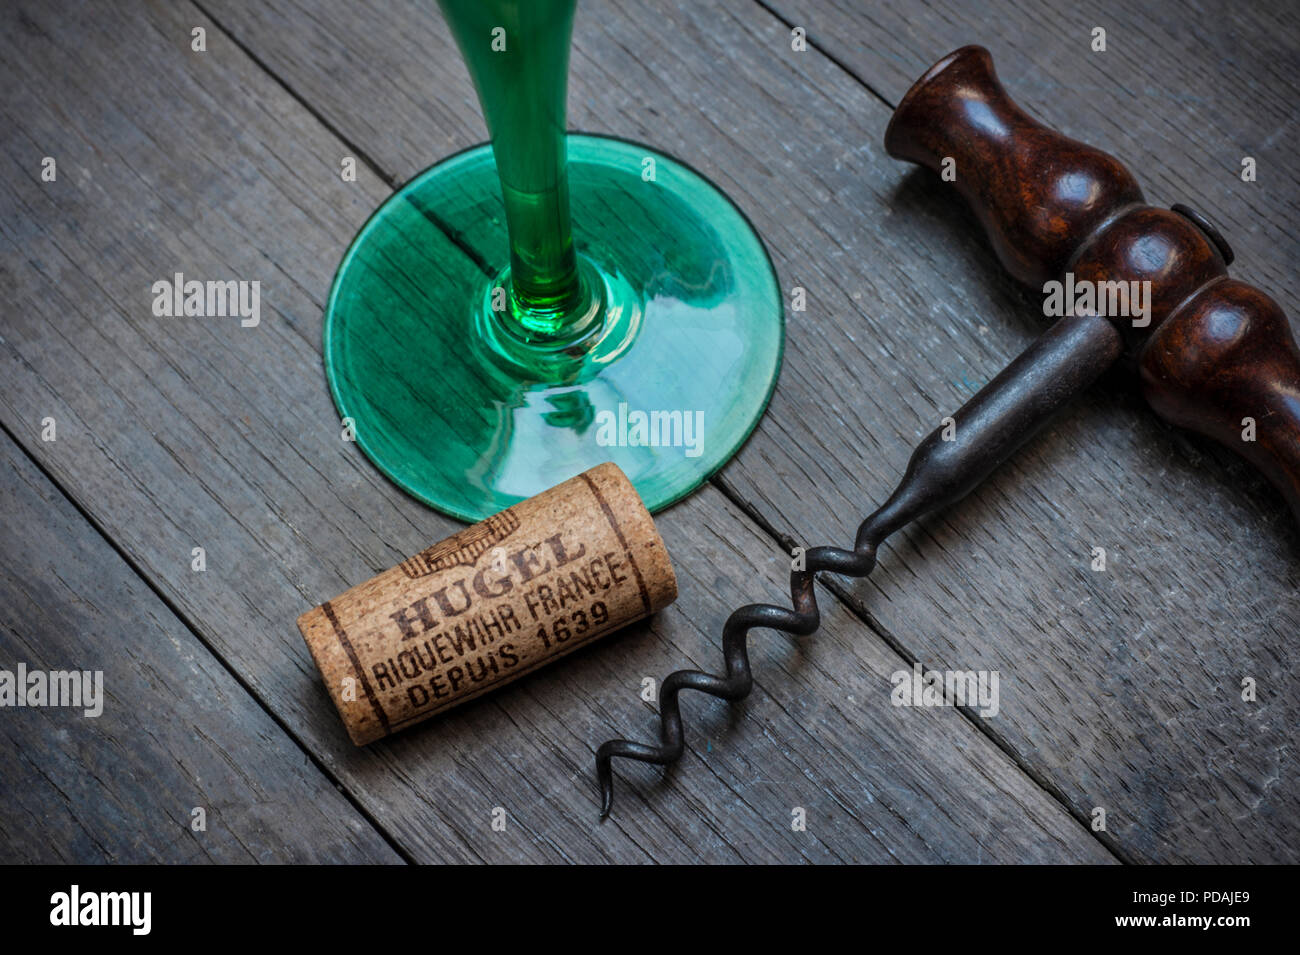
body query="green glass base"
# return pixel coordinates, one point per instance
(665, 372)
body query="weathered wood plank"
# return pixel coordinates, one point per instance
(183, 433)
(1122, 687)
(1207, 568)
(1179, 102)
(175, 731)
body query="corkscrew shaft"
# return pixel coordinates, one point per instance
(1214, 354)
(950, 462)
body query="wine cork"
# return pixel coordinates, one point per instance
(496, 601)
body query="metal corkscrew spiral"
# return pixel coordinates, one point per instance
(945, 466)
(800, 621)
(1212, 353)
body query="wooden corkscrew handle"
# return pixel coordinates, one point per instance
(1217, 356)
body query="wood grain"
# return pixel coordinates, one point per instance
(177, 433)
(1181, 94)
(176, 731)
(1207, 589)
(1123, 686)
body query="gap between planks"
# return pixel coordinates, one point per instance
(718, 481)
(189, 625)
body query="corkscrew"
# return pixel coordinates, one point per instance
(1213, 354)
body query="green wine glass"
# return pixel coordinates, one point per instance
(524, 310)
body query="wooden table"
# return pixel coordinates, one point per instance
(1120, 690)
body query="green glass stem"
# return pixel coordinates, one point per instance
(517, 53)
(641, 321)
